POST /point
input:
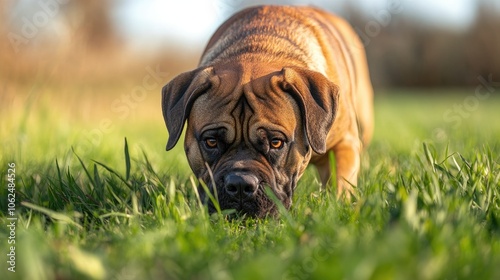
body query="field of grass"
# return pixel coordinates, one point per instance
(89, 206)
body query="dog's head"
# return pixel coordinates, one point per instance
(246, 130)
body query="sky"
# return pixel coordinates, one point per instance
(448, 13)
(185, 21)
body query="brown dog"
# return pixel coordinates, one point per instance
(276, 88)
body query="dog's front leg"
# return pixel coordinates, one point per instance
(347, 160)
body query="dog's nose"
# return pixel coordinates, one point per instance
(241, 185)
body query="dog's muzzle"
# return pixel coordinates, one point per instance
(240, 186)
(242, 191)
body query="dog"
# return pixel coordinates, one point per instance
(277, 88)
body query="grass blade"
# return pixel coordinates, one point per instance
(52, 214)
(333, 170)
(99, 188)
(112, 171)
(212, 198)
(429, 156)
(213, 181)
(196, 193)
(281, 209)
(84, 168)
(59, 175)
(127, 161)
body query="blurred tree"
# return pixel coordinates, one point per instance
(91, 24)
(4, 7)
(406, 53)
(483, 42)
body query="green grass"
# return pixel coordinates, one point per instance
(429, 204)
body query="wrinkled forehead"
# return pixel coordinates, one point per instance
(272, 106)
(253, 104)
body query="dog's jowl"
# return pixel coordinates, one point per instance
(277, 88)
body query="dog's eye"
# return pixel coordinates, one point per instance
(277, 143)
(211, 143)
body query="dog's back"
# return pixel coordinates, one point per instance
(299, 36)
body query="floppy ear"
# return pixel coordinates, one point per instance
(317, 98)
(178, 97)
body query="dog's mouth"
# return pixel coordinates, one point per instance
(259, 207)
(235, 201)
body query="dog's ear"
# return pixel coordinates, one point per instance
(317, 98)
(178, 97)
